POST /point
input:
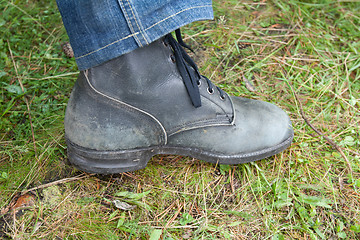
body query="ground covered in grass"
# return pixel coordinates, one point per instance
(301, 55)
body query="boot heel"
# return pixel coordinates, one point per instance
(108, 162)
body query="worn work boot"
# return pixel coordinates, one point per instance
(154, 101)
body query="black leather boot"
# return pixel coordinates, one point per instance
(154, 101)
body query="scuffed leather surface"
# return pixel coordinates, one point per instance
(95, 122)
(258, 125)
(148, 79)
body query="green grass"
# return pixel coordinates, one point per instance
(289, 50)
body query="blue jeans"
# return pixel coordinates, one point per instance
(100, 30)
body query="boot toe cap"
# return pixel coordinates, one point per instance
(261, 124)
(260, 129)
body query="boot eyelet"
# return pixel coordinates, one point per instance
(210, 91)
(222, 98)
(199, 83)
(172, 57)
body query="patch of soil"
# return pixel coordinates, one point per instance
(16, 207)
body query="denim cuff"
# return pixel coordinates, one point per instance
(102, 30)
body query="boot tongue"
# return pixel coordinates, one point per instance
(187, 67)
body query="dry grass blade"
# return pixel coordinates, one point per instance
(61, 181)
(331, 142)
(25, 99)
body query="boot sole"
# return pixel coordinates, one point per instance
(109, 162)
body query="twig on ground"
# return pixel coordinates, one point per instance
(180, 207)
(331, 142)
(64, 180)
(354, 152)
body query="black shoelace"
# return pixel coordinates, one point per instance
(188, 69)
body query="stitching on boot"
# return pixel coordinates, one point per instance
(233, 109)
(219, 106)
(179, 130)
(198, 127)
(128, 105)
